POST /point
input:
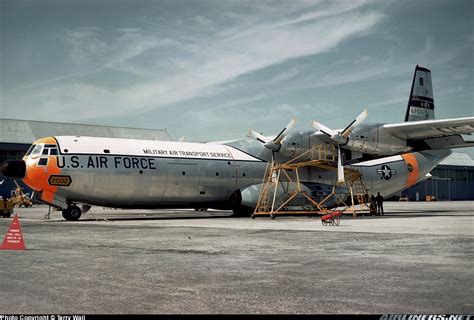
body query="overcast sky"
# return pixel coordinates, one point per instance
(211, 70)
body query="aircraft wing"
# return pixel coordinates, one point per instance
(434, 134)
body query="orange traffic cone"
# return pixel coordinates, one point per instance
(14, 238)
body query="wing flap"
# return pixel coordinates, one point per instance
(431, 128)
(446, 142)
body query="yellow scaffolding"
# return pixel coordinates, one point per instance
(284, 174)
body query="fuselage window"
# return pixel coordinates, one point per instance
(43, 161)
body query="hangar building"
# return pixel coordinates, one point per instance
(16, 137)
(452, 179)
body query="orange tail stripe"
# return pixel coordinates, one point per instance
(413, 169)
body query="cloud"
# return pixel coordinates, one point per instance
(85, 44)
(187, 67)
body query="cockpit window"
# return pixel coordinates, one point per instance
(43, 162)
(30, 149)
(43, 150)
(37, 150)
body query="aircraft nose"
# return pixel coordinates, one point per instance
(14, 169)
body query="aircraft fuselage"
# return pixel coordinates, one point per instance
(128, 173)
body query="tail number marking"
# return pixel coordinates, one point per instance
(416, 110)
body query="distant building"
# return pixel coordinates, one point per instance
(452, 179)
(16, 136)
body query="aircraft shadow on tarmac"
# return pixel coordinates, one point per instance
(388, 215)
(103, 217)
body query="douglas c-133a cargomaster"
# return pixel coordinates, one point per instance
(69, 170)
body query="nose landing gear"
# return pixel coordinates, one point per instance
(72, 213)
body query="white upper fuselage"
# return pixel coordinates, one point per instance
(162, 149)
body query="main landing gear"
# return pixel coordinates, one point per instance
(242, 211)
(72, 213)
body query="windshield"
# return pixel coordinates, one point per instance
(30, 149)
(37, 150)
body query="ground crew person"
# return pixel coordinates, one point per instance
(372, 205)
(379, 200)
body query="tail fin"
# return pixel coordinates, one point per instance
(421, 103)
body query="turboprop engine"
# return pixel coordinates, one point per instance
(373, 139)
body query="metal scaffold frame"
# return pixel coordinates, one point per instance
(279, 176)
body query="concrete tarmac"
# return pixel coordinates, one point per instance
(417, 258)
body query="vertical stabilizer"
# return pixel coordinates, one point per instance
(420, 103)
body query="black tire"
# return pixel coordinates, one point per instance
(242, 211)
(72, 213)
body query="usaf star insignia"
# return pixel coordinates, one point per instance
(385, 172)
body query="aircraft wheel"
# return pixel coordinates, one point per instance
(72, 213)
(242, 211)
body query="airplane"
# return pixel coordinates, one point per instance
(126, 173)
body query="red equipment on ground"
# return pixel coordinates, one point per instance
(332, 218)
(14, 238)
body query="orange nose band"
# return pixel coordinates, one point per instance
(37, 176)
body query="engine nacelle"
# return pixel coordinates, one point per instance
(297, 143)
(373, 139)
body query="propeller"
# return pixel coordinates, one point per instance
(275, 143)
(340, 168)
(340, 138)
